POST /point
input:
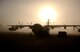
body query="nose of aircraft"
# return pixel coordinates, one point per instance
(39, 30)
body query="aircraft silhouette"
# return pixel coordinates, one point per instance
(38, 29)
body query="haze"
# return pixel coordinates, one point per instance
(26, 11)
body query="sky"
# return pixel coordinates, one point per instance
(26, 11)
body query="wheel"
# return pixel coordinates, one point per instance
(62, 34)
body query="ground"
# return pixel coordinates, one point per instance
(23, 42)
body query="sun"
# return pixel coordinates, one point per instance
(47, 12)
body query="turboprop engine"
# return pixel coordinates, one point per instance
(13, 28)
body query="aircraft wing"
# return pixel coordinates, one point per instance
(52, 26)
(20, 25)
(56, 26)
(15, 27)
(61, 25)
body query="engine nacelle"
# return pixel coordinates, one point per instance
(52, 27)
(64, 27)
(13, 28)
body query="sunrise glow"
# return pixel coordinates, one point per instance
(47, 12)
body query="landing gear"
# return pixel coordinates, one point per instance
(62, 34)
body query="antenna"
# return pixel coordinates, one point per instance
(30, 23)
(48, 22)
(19, 22)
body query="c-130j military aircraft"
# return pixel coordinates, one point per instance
(38, 29)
